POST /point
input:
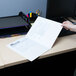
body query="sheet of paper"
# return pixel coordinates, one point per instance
(38, 40)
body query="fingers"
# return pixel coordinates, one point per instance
(65, 22)
(66, 25)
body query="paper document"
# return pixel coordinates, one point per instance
(38, 40)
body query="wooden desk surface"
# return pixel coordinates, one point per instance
(9, 57)
(1, 63)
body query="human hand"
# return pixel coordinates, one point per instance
(69, 26)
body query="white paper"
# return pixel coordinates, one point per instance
(38, 40)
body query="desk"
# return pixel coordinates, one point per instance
(1, 63)
(10, 58)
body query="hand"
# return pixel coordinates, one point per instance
(69, 26)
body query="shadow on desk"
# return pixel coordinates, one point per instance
(59, 65)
